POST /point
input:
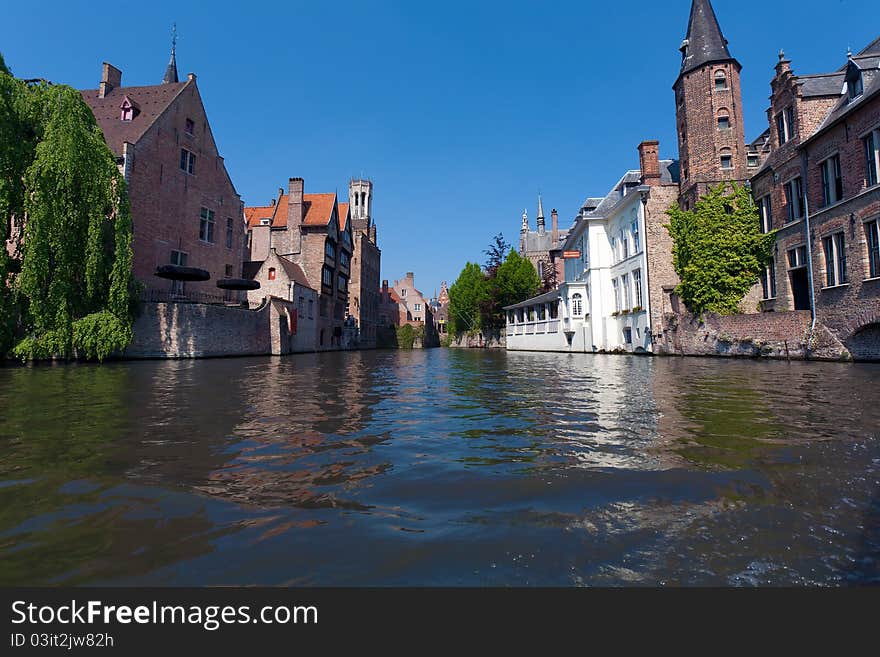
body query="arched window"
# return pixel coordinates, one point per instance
(577, 307)
(723, 119)
(271, 273)
(720, 81)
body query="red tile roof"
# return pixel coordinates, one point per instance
(151, 101)
(317, 209)
(343, 215)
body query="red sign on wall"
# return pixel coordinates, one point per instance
(571, 254)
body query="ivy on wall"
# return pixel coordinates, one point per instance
(719, 251)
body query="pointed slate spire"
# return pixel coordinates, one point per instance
(541, 223)
(704, 42)
(171, 70)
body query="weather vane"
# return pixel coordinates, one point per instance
(173, 37)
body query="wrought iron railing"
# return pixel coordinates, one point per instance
(230, 298)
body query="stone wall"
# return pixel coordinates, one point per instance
(779, 335)
(191, 330)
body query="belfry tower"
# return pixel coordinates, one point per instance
(360, 199)
(708, 102)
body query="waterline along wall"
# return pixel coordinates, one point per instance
(194, 330)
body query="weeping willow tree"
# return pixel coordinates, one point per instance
(68, 285)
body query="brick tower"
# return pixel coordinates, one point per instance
(708, 100)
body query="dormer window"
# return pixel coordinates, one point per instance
(855, 86)
(128, 110)
(720, 81)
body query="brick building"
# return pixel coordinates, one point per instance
(708, 105)
(184, 207)
(363, 304)
(306, 229)
(819, 189)
(813, 174)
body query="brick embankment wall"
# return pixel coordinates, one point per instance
(779, 335)
(190, 330)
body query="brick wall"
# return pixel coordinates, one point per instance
(658, 246)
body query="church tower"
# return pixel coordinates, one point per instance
(708, 101)
(360, 199)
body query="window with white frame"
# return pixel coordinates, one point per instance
(794, 198)
(613, 249)
(872, 157)
(832, 181)
(872, 233)
(768, 281)
(835, 259)
(577, 306)
(765, 208)
(723, 120)
(206, 225)
(615, 286)
(720, 81)
(624, 285)
(187, 161)
(726, 159)
(785, 125)
(624, 244)
(637, 287)
(637, 246)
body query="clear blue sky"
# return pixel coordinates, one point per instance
(459, 111)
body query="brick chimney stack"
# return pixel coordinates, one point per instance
(554, 226)
(111, 78)
(649, 162)
(295, 208)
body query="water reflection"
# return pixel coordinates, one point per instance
(440, 467)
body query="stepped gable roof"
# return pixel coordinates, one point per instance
(151, 101)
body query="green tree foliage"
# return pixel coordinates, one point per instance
(72, 291)
(477, 298)
(516, 281)
(495, 254)
(466, 296)
(718, 250)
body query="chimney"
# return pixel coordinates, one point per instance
(273, 202)
(554, 224)
(111, 78)
(295, 209)
(649, 162)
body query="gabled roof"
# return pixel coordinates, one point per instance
(704, 42)
(317, 209)
(826, 84)
(151, 100)
(868, 64)
(343, 215)
(294, 272)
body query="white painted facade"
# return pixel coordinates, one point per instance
(603, 303)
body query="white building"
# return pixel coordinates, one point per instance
(604, 303)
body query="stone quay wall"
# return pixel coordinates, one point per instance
(193, 330)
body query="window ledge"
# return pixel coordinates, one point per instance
(834, 287)
(871, 279)
(201, 241)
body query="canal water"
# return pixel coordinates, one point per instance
(440, 467)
